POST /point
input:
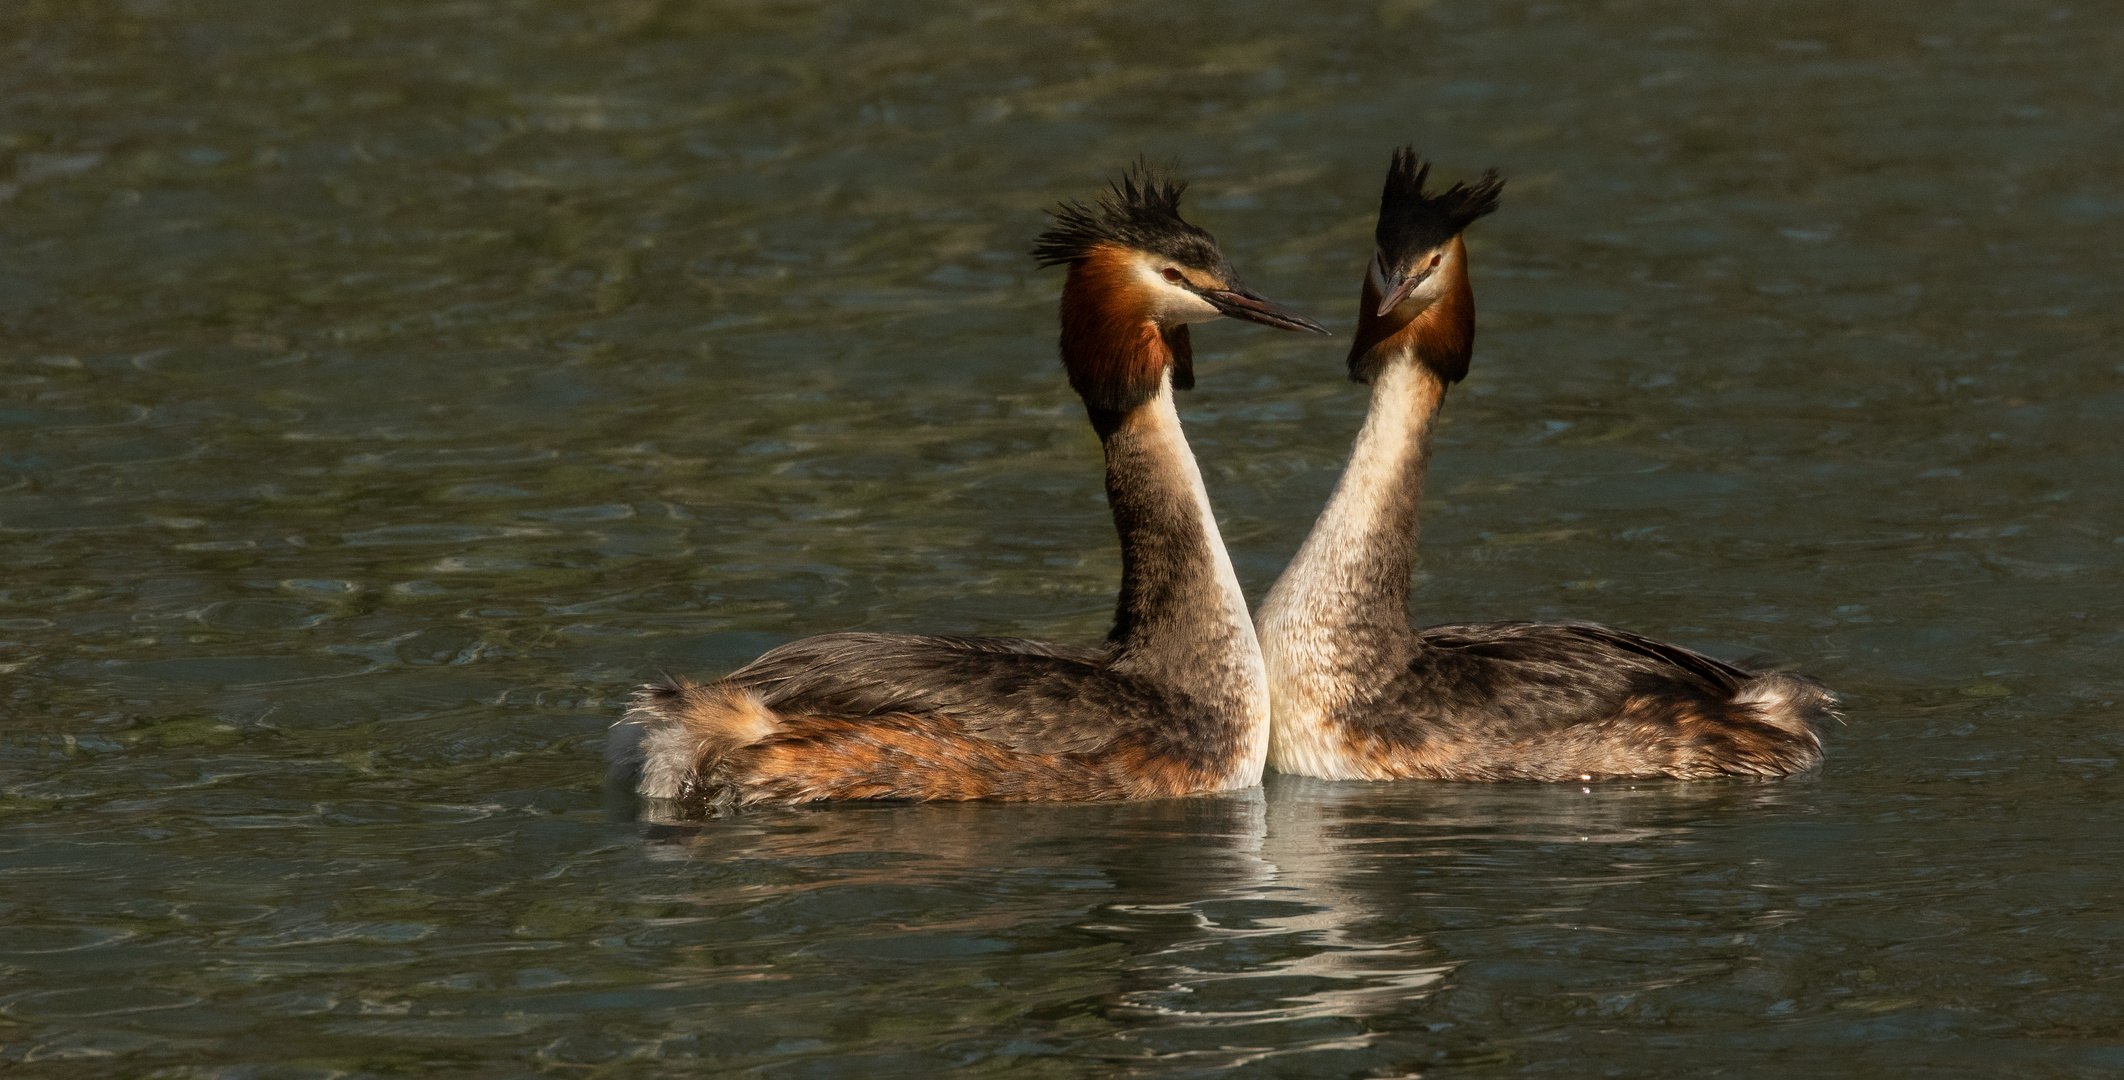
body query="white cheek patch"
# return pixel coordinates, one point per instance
(1170, 304)
(1433, 287)
(1425, 293)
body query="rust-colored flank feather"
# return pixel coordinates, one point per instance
(892, 755)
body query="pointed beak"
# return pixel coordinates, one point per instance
(1244, 303)
(1392, 289)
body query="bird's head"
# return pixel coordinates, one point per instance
(1139, 274)
(1417, 303)
(1409, 269)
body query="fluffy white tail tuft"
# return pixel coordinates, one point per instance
(675, 730)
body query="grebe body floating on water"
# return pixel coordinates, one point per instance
(1174, 702)
(1359, 693)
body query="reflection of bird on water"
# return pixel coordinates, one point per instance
(1359, 693)
(1170, 921)
(1173, 702)
(1297, 941)
(1334, 929)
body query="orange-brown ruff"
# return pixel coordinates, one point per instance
(1357, 692)
(1115, 348)
(1173, 702)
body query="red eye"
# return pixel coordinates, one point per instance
(1172, 275)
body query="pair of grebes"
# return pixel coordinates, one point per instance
(1190, 692)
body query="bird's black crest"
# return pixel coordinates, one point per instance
(1412, 222)
(1142, 211)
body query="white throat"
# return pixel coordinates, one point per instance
(1306, 617)
(1246, 673)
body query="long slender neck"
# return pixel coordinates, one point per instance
(1352, 574)
(1181, 621)
(1339, 612)
(1180, 600)
(1181, 615)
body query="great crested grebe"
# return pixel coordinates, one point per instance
(1175, 701)
(1358, 693)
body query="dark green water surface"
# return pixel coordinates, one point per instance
(386, 388)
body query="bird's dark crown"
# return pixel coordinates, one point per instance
(1412, 222)
(1141, 211)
